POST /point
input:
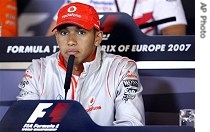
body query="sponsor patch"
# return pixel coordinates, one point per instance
(23, 83)
(131, 75)
(25, 93)
(130, 83)
(129, 93)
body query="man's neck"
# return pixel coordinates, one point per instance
(77, 69)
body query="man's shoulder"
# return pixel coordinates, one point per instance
(117, 58)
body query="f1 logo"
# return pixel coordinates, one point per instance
(57, 114)
(38, 112)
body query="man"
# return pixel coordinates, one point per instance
(143, 11)
(106, 85)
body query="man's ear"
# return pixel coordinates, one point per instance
(56, 35)
(98, 39)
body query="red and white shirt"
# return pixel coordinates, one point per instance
(142, 11)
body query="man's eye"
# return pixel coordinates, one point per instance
(63, 33)
(81, 32)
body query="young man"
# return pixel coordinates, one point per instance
(106, 85)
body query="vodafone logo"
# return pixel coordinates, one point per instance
(71, 13)
(91, 100)
(72, 9)
(56, 116)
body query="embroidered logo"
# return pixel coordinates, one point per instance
(129, 93)
(91, 100)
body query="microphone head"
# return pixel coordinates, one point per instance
(71, 59)
(69, 73)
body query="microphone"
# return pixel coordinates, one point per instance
(68, 74)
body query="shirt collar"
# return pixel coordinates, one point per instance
(88, 66)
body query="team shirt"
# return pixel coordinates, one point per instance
(142, 11)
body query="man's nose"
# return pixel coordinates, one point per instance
(72, 40)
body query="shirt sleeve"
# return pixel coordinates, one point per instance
(28, 85)
(129, 103)
(169, 8)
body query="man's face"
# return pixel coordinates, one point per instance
(79, 42)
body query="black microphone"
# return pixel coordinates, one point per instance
(68, 74)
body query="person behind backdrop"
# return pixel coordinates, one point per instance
(8, 18)
(143, 11)
(107, 85)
